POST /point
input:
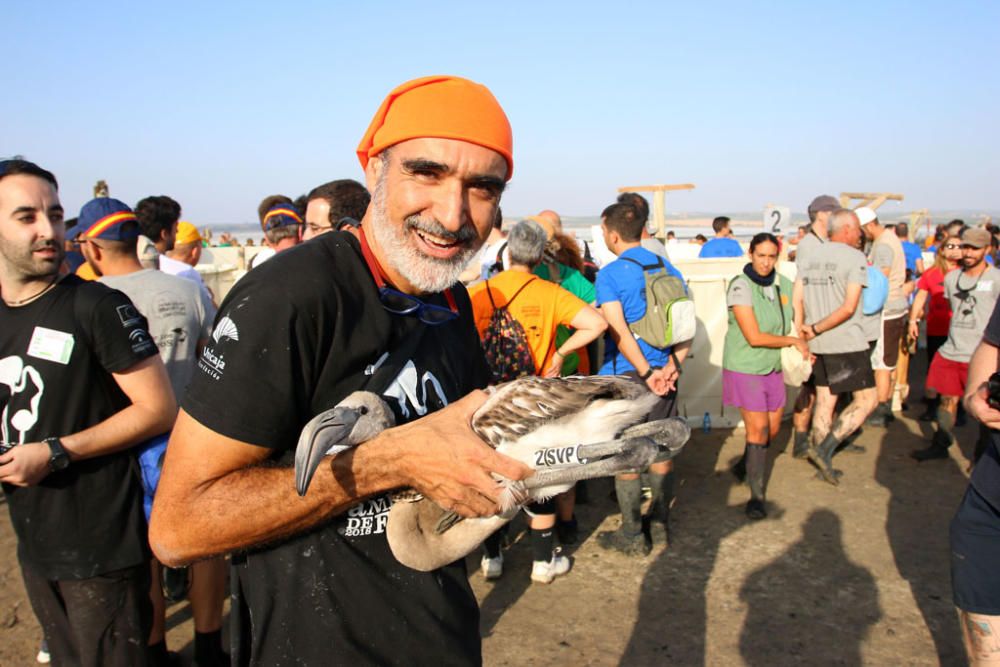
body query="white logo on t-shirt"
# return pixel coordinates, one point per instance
(409, 386)
(226, 328)
(16, 376)
(409, 390)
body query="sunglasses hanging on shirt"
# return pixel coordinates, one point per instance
(400, 303)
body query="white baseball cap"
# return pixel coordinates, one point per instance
(865, 215)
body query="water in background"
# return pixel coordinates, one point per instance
(684, 225)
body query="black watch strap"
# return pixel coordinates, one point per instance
(647, 374)
(58, 458)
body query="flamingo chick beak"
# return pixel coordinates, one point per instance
(326, 433)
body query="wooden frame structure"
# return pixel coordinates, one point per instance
(659, 207)
(870, 199)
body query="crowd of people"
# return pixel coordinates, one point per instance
(110, 342)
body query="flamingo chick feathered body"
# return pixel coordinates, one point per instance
(567, 429)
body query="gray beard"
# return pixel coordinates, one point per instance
(427, 274)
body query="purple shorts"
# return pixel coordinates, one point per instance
(756, 393)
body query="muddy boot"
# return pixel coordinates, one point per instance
(942, 438)
(940, 443)
(801, 446)
(930, 412)
(822, 457)
(880, 416)
(850, 446)
(662, 487)
(628, 539)
(756, 467)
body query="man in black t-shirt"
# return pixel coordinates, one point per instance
(314, 581)
(80, 383)
(975, 530)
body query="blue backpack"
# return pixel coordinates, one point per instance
(875, 293)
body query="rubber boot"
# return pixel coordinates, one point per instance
(942, 438)
(822, 457)
(801, 448)
(662, 487)
(756, 467)
(930, 412)
(880, 416)
(629, 538)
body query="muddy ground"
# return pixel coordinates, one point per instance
(855, 574)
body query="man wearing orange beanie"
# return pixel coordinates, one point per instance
(314, 581)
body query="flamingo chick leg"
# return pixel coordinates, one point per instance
(635, 454)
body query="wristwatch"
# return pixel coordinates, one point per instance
(647, 374)
(58, 459)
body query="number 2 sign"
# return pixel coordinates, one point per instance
(777, 219)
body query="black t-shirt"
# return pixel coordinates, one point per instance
(292, 339)
(986, 475)
(56, 359)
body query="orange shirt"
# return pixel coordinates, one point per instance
(85, 272)
(540, 307)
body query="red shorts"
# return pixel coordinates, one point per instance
(947, 377)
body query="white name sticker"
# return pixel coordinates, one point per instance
(51, 345)
(985, 286)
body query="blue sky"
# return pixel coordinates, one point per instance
(219, 104)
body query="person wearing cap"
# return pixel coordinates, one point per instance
(831, 284)
(294, 338)
(886, 254)
(972, 293)
(184, 256)
(808, 252)
(282, 227)
(84, 384)
(180, 317)
(328, 204)
(621, 297)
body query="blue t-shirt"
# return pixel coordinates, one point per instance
(721, 247)
(913, 253)
(624, 282)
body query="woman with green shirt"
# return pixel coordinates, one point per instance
(760, 317)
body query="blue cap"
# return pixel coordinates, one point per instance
(107, 218)
(281, 215)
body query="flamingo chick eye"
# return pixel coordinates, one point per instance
(363, 410)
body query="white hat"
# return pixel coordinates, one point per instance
(865, 215)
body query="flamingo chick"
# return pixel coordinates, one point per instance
(567, 429)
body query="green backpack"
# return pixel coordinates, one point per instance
(670, 317)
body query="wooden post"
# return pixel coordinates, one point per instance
(659, 202)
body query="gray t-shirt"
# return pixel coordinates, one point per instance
(881, 256)
(809, 245)
(739, 293)
(179, 316)
(825, 275)
(972, 303)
